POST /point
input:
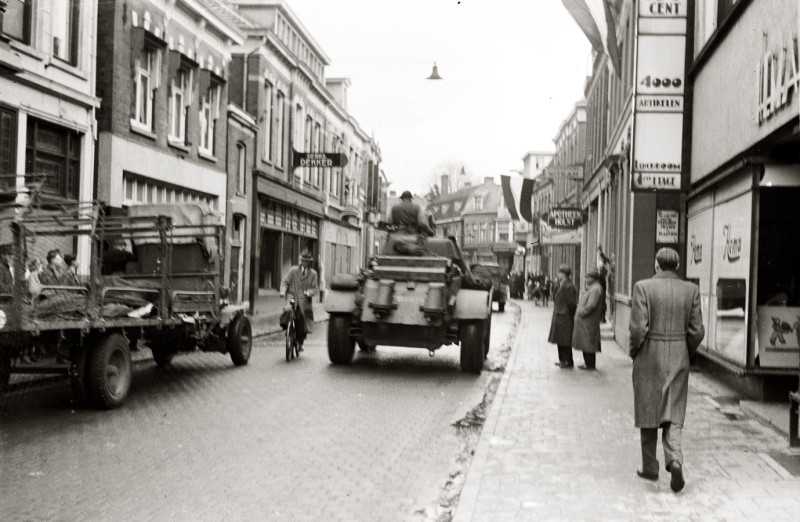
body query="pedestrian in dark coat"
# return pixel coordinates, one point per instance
(564, 302)
(666, 328)
(586, 336)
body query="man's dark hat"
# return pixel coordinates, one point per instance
(406, 195)
(567, 270)
(594, 274)
(306, 256)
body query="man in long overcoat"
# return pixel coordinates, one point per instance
(565, 300)
(666, 328)
(586, 335)
(301, 282)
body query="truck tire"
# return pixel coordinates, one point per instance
(472, 347)
(341, 345)
(109, 371)
(240, 340)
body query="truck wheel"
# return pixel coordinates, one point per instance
(501, 306)
(487, 335)
(108, 371)
(340, 345)
(240, 340)
(472, 343)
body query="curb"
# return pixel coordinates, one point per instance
(468, 498)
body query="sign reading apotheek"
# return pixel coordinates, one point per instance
(658, 110)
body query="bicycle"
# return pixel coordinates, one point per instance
(292, 346)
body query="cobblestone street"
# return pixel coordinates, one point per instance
(561, 445)
(204, 440)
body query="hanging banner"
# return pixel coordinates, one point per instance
(659, 98)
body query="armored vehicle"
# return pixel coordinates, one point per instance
(418, 293)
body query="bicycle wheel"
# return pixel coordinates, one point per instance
(291, 341)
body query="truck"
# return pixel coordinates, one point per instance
(168, 296)
(419, 293)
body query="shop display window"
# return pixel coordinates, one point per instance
(731, 329)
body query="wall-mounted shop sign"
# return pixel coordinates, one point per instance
(658, 110)
(564, 172)
(666, 226)
(565, 218)
(318, 159)
(779, 75)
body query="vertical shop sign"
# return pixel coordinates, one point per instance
(659, 104)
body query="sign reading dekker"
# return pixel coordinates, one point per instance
(318, 159)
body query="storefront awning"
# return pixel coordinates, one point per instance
(274, 190)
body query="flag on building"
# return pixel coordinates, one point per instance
(596, 20)
(517, 193)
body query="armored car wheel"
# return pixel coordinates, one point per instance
(472, 347)
(341, 345)
(109, 372)
(240, 340)
(501, 306)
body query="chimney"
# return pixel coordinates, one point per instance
(488, 180)
(445, 188)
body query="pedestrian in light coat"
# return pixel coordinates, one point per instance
(586, 336)
(666, 328)
(564, 302)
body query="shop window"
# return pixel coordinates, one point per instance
(8, 147)
(17, 20)
(64, 19)
(731, 305)
(53, 156)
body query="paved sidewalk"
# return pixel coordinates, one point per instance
(561, 445)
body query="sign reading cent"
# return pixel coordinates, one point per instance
(318, 159)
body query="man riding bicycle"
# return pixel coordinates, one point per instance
(301, 283)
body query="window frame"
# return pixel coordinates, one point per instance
(185, 94)
(208, 116)
(268, 116)
(148, 56)
(280, 107)
(241, 169)
(68, 157)
(72, 31)
(25, 21)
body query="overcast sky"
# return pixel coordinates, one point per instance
(512, 69)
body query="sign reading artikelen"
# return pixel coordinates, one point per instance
(658, 109)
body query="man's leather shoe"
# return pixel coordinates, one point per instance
(677, 481)
(647, 476)
(564, 365)
(584, 367)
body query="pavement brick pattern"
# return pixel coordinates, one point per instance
(561, 445)
(204, 440)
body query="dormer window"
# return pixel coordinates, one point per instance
(478, 202)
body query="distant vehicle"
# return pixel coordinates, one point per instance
(426, 298)
(170, 297)
(499, 287)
